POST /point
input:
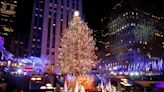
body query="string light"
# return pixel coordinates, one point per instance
(77, 54)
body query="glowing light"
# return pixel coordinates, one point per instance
(124, 80)
(20, 64)
(49, 85)
(120, 73)
(136, 73)
(19, 71)
(33, 78)
(115, 73)
(38, 78)
(112, 72)
(76, 13)
(131, 73)
(125, 84)
(9, 63)
(43, 87)
(115, 68)
(77, 52)
(126, 73)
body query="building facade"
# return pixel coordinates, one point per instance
(50, 18)
(132, 36)
(7, 19)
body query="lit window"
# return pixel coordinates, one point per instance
(54, 24)
(122, 27)
(162, 42)
(50, 5)
(21, 42)
(136, 13)
(33, 46)
(33, 39)
(39, 28)
(132, 13)
(15, 1)
(6, 20)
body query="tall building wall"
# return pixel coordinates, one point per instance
(121, 43)
(7, 20)
(50, 18)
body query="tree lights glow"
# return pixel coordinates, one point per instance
(77, 48)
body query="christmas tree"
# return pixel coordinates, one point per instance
(77, 52)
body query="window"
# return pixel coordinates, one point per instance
(49, 29)
(55, 1)
(53, 53)
(62, 2)
(47, 52)
(67, 3)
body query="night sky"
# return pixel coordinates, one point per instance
(93, 11)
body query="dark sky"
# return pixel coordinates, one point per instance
(93, 10)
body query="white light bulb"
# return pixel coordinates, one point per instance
(76, 13)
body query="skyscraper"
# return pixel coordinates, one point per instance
(50, 18)
(7, 19)
(133, 35)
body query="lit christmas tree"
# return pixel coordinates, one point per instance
(77, 52)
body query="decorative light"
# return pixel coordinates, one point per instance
(77, 52)
(136, 73)
(131, 73)
(19, 71)
(39, 78)
(125, 84)
(43, 87)
(120, 73)
(76, 13)
(124, 80)
(33, 78)
(49, 85)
